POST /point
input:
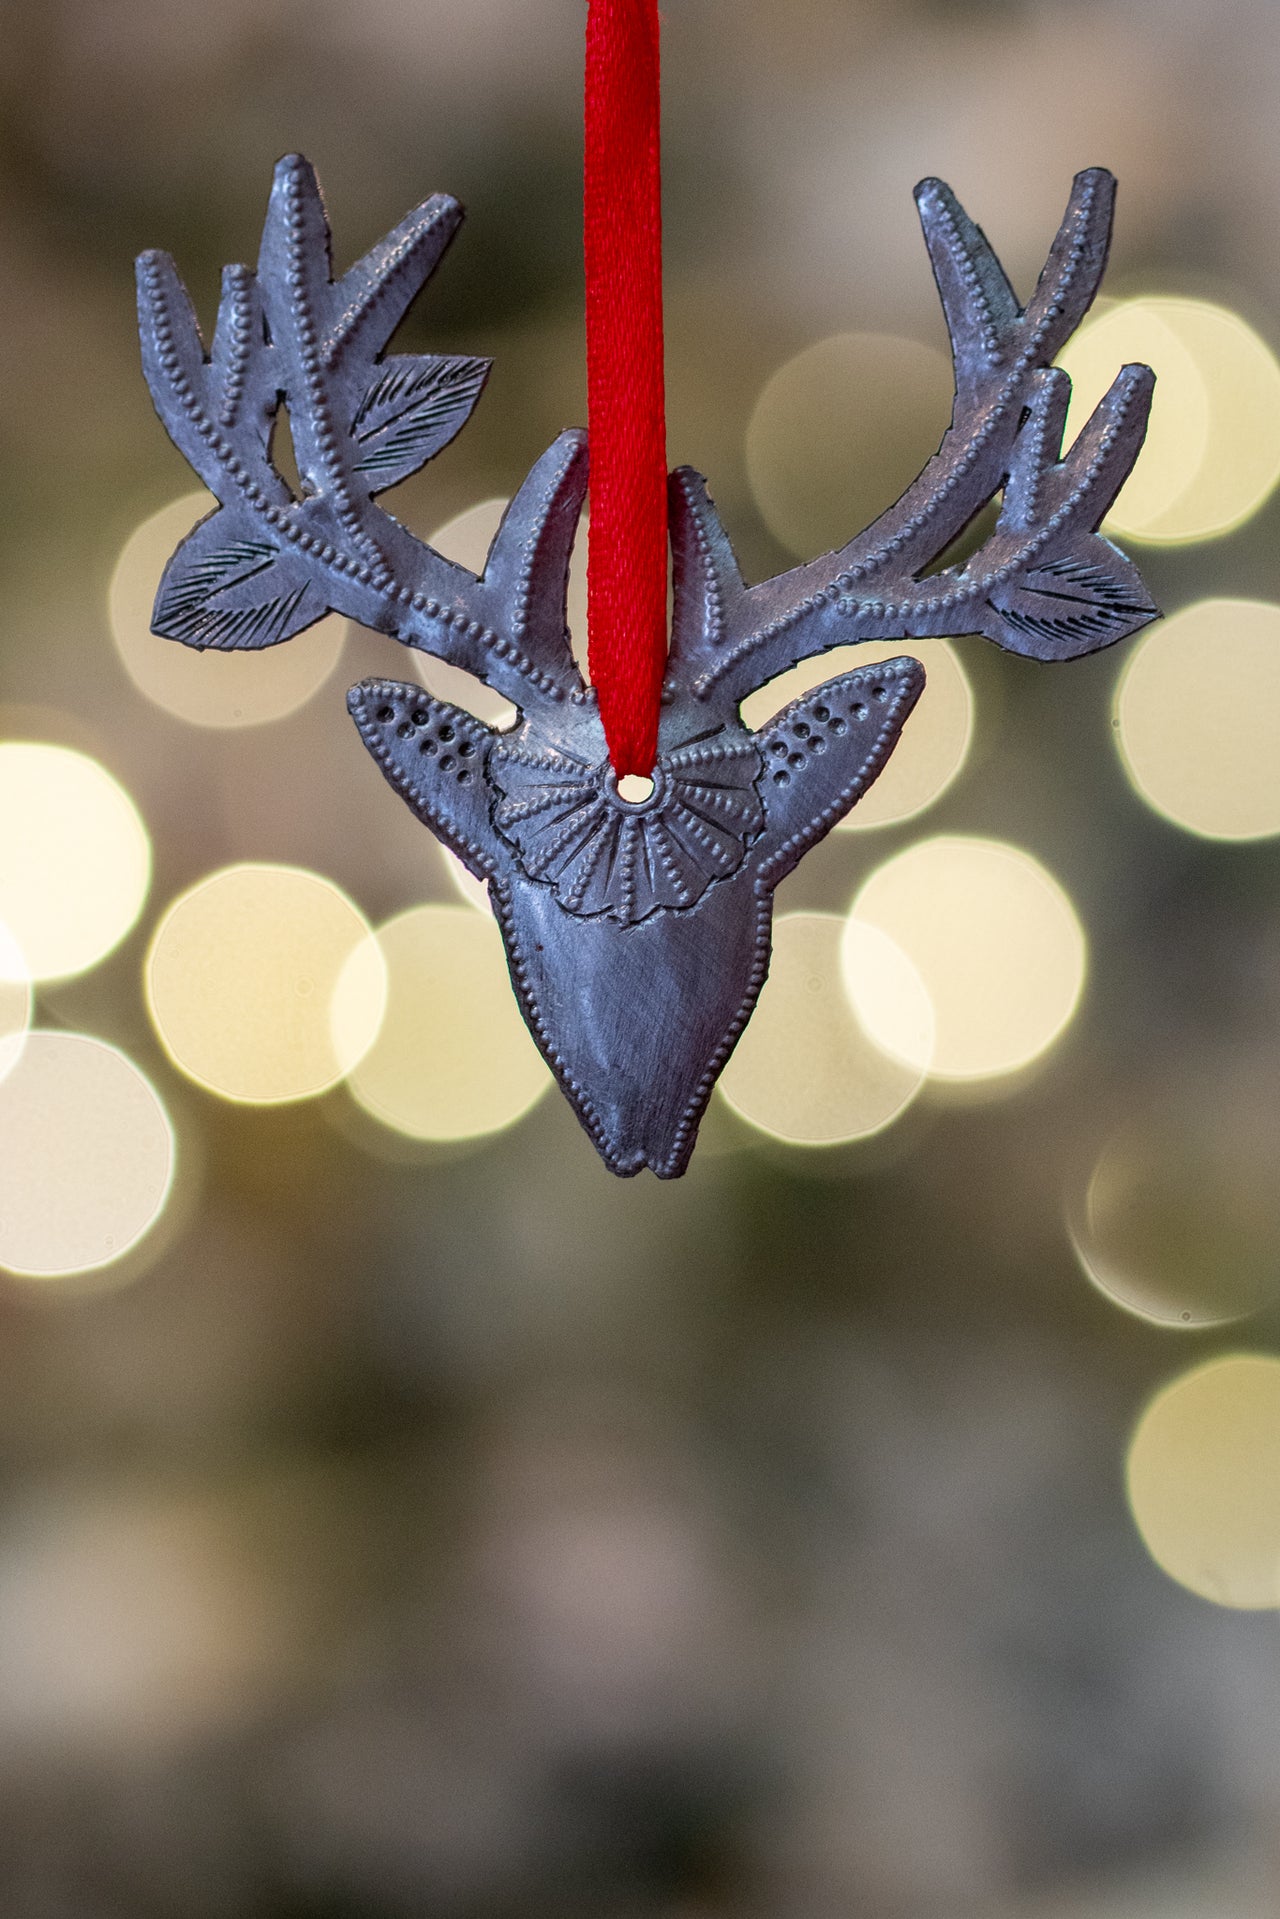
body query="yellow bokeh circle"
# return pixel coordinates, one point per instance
(996, 942)
(1125, 333)
(217, 687)
(453, 1059)
(1203, 1468)
(75, 860)
(1212, 453)
(1197, 713)
(16, 1000)
(1179, 1219)
(86, 1156)
(840, 430)
(255, 987)
(934, 743)
(804, 1070)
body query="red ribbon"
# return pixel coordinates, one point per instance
(626, 407)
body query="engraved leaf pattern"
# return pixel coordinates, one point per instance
(413, 409)
(226, 587)
(1071, 605)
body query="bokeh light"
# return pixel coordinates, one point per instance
(1179, 1220)
(1203, 1468)
(1197, 712)
(840, 430)
(16, 999)
(212, 688)
(935, 740)
(447, 1528)
(1213, 449)
(453, 1059)
(253, 986)
(86, 1156)
(996, 942)
(136, 1614)
(877, 977)
(467, 538)
(75, 861)
(804, 1070)
(1138, 332)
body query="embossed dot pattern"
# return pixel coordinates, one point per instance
(797, 742)
(934, 744)
(438, 737)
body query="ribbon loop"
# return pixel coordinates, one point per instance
(626, 406)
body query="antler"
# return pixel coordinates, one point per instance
(1045, 583)
(266, 564)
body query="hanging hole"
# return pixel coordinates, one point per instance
(635, 788)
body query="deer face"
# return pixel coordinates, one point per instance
(637, 933)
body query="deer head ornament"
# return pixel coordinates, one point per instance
(637, 933)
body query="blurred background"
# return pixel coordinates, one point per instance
(399, 1515)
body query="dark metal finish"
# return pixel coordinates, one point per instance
(637, 935)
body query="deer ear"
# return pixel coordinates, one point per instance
(435, 756)
(821, 754)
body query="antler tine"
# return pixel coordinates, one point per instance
(217, 408)
(268, 564)
(374, 295)
(996, 349)
(989, 332)
(707, 581)
(978, 304)
(1006, 427)
(527, 570)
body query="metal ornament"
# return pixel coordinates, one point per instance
(637, 934)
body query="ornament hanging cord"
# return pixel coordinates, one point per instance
(626, 408)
